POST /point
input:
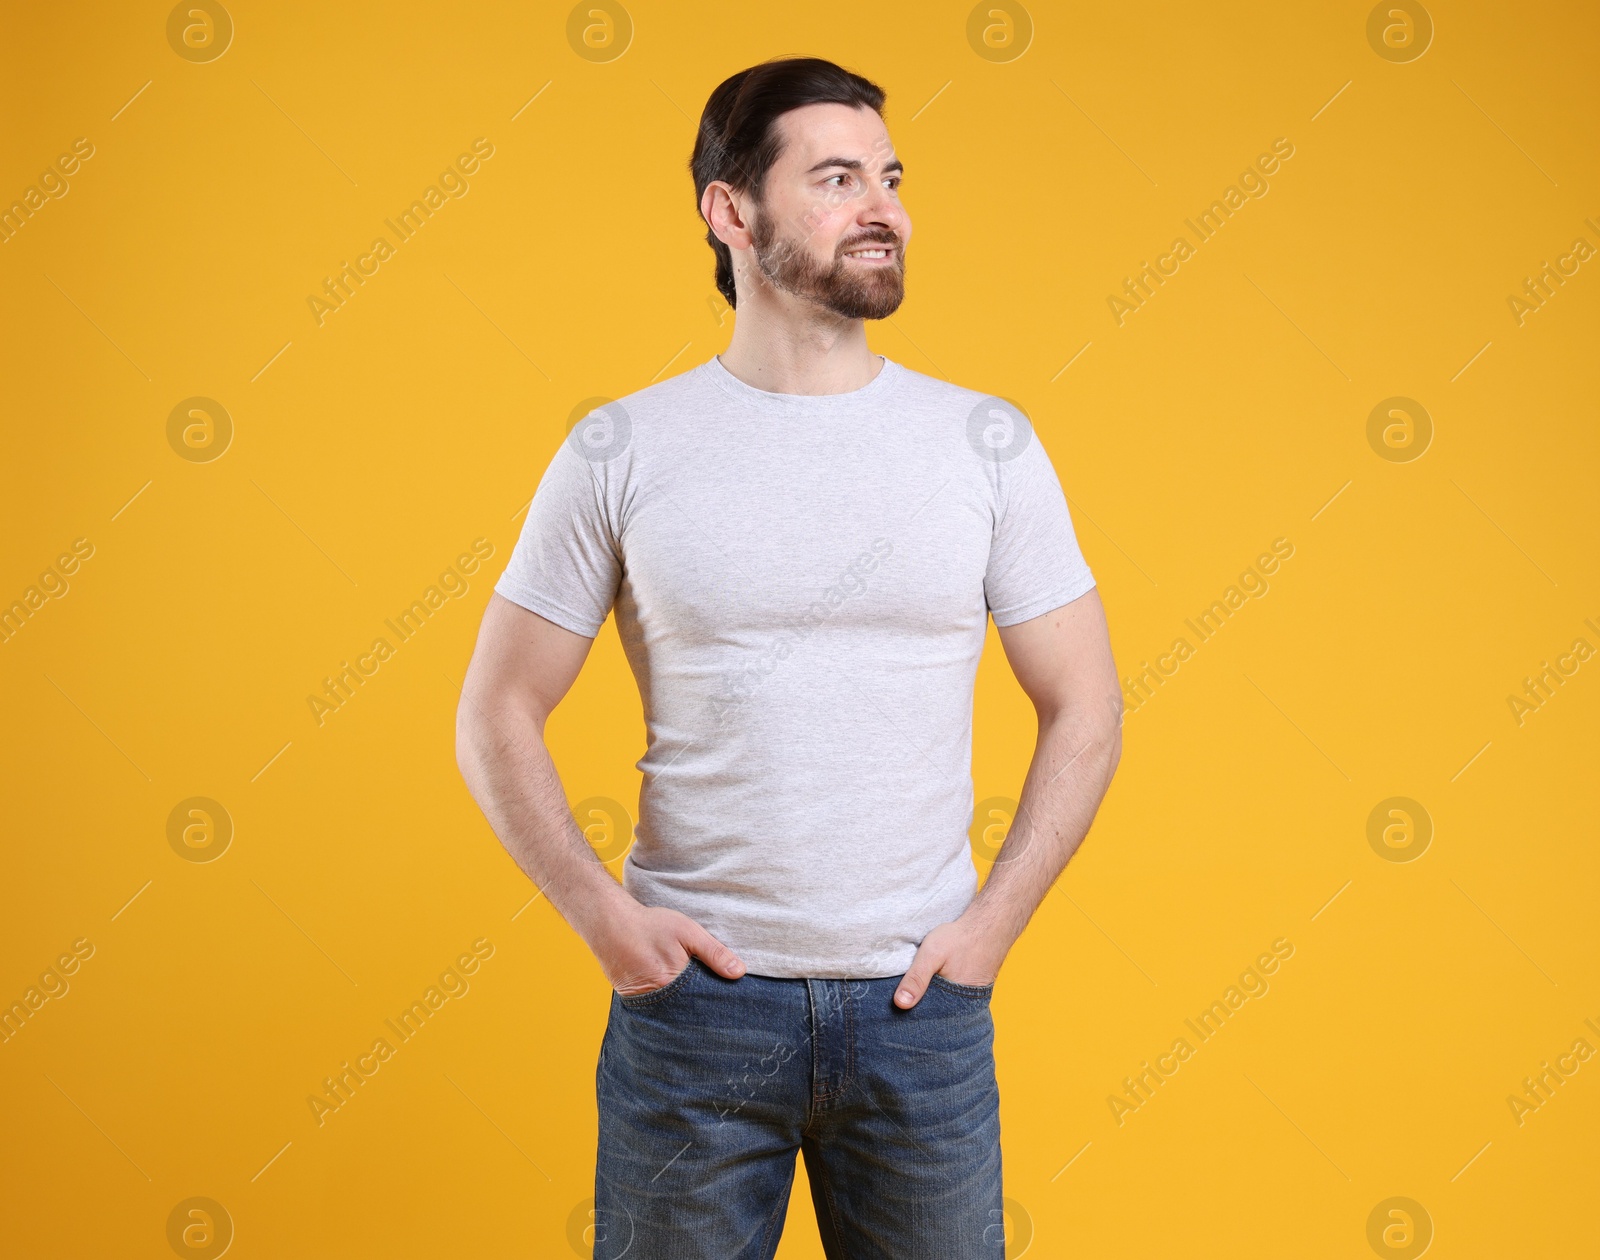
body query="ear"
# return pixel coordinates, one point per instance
(722, 209)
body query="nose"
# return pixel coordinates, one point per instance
(881, 207)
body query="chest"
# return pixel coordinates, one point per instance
(856, 530)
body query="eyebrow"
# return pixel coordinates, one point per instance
(852, 164)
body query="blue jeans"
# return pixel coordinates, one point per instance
(707, 1087)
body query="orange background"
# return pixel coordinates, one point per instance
(1050, 155)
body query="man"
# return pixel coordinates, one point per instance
(802, 542)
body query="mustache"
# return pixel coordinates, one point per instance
(875, 238)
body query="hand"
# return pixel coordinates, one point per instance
(648, 946)
(961, 951)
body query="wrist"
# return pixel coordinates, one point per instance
(602, 911)
(988, 928)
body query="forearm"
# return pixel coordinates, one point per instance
(511, 775)
(1073, 761)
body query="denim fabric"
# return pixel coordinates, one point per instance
(707, 1087)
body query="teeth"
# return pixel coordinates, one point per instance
(869, 253)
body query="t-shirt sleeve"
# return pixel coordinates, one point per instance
(567, 564)
(1034, 561)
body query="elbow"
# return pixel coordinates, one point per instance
(1093, 730)
(465, 759)
(1097, 723)
(1112, 712)
(469, 740)
(493, 731)
(1113, 751)
(1110, 724)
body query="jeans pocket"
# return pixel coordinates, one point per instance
(635, 1000)
(977, 992)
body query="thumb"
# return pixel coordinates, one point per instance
(915, 982)
(713, 953)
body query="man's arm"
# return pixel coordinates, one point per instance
(1063, 662)
(523, 665)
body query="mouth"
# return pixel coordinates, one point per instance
(873, 255)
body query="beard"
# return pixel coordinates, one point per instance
(847, 290)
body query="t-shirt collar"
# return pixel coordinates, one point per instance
(768, 401)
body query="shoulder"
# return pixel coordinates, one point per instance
(995, 431)
(977, 415)
(609, 432)
(945, 395)
(668, 396)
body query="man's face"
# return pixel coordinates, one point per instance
(829, 227)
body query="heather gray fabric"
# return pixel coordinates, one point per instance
(801, 585)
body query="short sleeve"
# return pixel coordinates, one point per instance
(1034, 561)
(566, 565)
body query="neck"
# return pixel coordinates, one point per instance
(797, 351)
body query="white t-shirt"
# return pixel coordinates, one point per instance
(801, 585)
